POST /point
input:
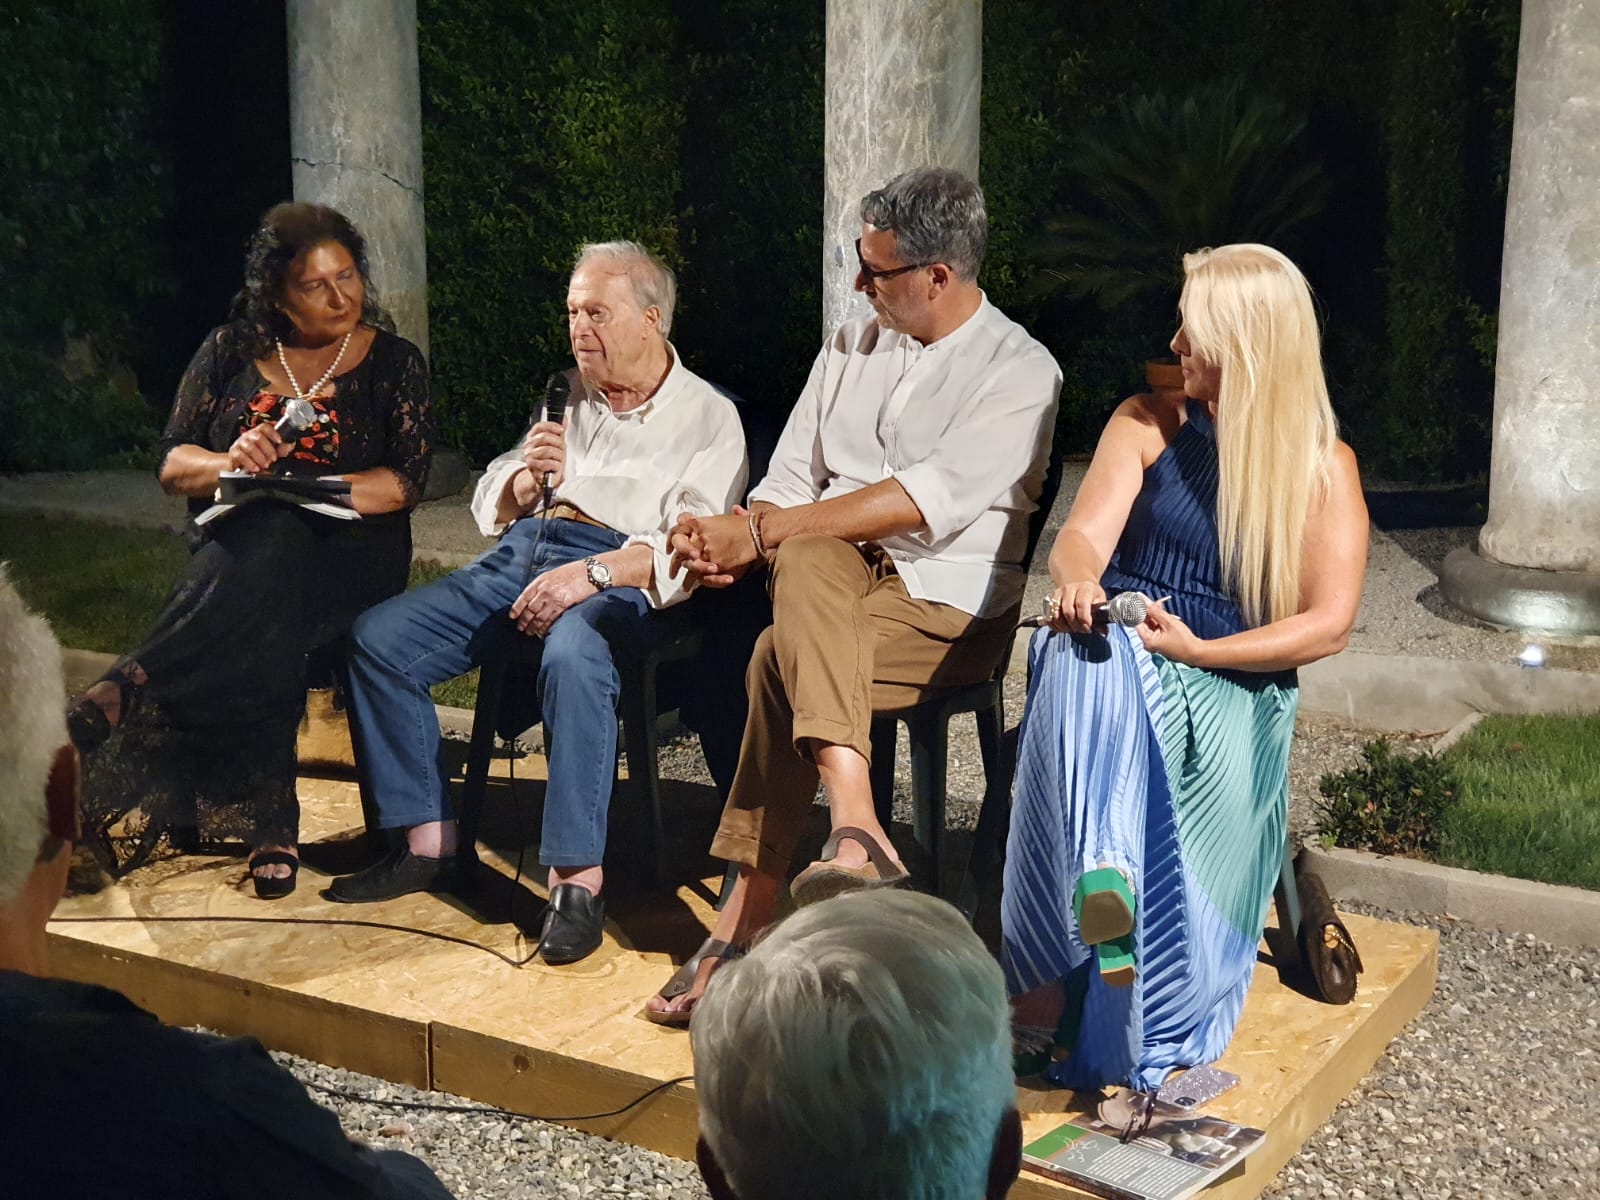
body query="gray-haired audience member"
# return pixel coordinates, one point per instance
(83, 1068)
(863, 1049)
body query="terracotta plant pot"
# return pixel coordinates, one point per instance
(1163, 375)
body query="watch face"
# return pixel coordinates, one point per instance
(599, 574)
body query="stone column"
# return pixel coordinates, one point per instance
(355, 121)
(903, 80)
(1537, 565)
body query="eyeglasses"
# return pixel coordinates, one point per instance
(873, 277)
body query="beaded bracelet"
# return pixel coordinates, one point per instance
(755, 537)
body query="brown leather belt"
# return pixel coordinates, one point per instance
(562, 511)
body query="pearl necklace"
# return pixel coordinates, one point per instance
(326, 375)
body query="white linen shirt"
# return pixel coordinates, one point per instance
(965, 424)
(680, 451)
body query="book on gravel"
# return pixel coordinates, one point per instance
(1119, 1154)
(327, 495)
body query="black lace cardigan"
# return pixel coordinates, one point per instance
(379, 415)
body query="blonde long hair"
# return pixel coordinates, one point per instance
(1247, 310)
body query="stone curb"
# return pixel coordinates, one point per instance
(1566, 916)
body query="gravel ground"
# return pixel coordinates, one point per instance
(1492, 1092)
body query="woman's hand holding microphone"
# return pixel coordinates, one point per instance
(258, 449)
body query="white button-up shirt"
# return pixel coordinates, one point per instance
(965, 424)
(680, 451)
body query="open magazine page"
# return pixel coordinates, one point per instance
(329, 495)
(1179, 1153)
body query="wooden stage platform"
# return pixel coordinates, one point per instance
(561, 1042)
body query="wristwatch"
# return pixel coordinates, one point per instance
(599, 574)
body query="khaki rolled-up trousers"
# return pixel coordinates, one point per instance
(846, 640)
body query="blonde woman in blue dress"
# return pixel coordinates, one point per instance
(1152, 781)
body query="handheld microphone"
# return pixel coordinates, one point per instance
(1125, 608)
(556, 391)
(298, 416)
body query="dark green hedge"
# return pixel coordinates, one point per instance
(85, 197)
(544, 126)
(696, 126)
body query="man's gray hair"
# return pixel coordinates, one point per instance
(33, 726)
(862, 1049)
(937, 215)
(653, 281)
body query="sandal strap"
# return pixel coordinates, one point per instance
(274, 858)
(683, 978)
(876, 854)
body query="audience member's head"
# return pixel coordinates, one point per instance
(38, 782)
(862, 1049)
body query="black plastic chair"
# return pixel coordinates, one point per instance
(928, 729)
(636, 709)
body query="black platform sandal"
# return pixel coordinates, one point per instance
(270, 887)
(87, 723)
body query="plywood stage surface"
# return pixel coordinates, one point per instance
(562, 1042)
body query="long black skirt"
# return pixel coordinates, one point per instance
(208, 746)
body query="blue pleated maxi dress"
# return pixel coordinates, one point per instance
(1176, 775)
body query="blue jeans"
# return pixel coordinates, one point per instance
(405, 645)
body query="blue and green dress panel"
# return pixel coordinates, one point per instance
(1176, 775)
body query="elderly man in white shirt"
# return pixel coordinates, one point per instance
(893, 520)
(644, 439)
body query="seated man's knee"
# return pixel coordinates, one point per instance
(809, 550)
(574, 647)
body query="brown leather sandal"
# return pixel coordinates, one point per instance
(683, 979)
(822, 880)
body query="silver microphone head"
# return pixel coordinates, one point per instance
(298, 415)
(1127, 608)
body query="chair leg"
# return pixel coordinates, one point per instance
(884, 734)
(930, 735)
(1286, 899)
(988, 838)
(639, 739)
(491, 682)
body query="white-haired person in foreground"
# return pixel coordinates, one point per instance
(193, 1115)
(862, 1049)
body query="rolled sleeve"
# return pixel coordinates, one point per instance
(486, 498)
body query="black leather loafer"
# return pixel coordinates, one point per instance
(398, 873)
(574, 925)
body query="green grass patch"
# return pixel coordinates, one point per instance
(101, 586)
(1529, 799)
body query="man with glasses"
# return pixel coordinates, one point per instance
(893, 520)
(84, 1068)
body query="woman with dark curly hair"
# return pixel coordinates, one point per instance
(207, 708)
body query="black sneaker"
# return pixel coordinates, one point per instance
(574, 925)
(398, 873)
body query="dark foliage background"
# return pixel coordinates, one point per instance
(142, 141)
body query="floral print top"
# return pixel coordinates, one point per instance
(379, 413)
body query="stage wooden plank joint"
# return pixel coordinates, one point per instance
(561, 1042)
